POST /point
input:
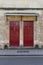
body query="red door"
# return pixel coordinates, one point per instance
(28, 33)
(14, 33)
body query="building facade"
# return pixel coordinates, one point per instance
(20, 25)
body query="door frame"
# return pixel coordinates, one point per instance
(18, 14)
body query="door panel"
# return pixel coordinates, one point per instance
(28, 33)
(14, 33)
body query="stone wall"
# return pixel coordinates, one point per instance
(38, 30)
(4, 29)
(22, 3)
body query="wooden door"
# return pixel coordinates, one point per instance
(14, 33)
(28, 33)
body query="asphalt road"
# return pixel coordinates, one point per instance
(21, 60)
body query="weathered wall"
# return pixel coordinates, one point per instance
(38, 29)
(21, 3)
(4, 28)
